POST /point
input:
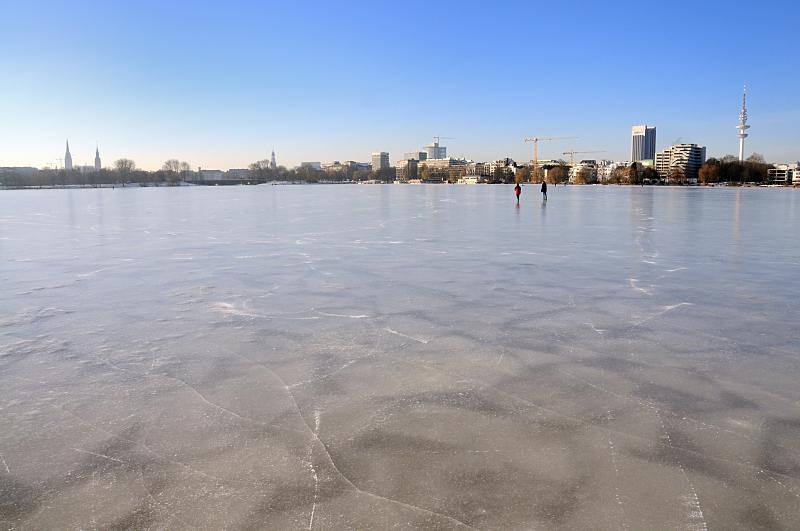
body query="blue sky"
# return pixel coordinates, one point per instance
(219, 83)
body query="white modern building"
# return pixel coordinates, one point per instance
(588, 167)
(680, 163)
(785, 174)
(606, 168)
(380, 160)
(643, 142)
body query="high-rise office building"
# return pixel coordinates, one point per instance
(435, 151)
(643, 143)
(415, 155)
(380, 161)
(67, 159)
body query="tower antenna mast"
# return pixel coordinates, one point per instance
(743, 127)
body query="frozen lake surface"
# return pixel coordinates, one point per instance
(366, 357)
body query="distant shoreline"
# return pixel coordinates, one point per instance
(281, 183)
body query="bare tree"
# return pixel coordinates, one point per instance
(261, 169)
(557, 174)
(710, 172)
(757, 158)
(677, 175)
(584, 176)
(184, 170)
(124, 166)
(172, 165)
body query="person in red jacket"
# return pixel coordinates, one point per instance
(517, 191)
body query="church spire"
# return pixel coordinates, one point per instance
(96, 158)
(67, 158)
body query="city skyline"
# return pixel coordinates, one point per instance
(210, 86)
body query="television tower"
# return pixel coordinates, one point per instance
(742, 127)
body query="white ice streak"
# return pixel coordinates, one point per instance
(229, 309)
(613, 452)
(600, 331)
(696, 520)
(417, 339)
(634, 284)
(98, 455)
(3, 459)
(310, 459)
(359, 316)
(665, 309)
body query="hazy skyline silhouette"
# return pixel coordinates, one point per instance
(220, 84)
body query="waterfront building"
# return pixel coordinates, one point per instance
(643, 142)
(237, 174)
(589, 169)
(680, 163)
(438, 170)
(333, 167)
(606, 168)
(784, 174)
(211, 175)
(380, 161)
(68, 159)
(355, 166)
(406, 170)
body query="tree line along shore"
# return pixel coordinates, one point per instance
(727, 170)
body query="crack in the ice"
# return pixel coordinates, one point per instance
(591, 425)
(310, 458)
(328, 455)
(226, 410)
(142, 445)
(369, 354)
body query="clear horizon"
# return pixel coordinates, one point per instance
(220, 85)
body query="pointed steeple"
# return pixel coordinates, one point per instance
(272, 162)
(96, 158)
(67, 158)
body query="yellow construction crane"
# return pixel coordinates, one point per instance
(535, 140)
(572, 155)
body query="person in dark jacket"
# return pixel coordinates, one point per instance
(544, 190)
(517, 191)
